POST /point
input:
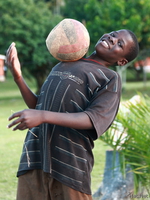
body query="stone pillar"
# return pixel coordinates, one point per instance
(115, 185)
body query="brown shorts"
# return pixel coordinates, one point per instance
(37, 185)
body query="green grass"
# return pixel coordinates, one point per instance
(11, 141)
(10, 147)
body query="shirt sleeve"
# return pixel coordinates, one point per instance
(104, 105)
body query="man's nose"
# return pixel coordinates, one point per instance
(112, 40)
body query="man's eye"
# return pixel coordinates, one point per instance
(112, 34)
(119, 43)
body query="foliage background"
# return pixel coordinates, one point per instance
(28, 22)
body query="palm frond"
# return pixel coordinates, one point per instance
(130, 135)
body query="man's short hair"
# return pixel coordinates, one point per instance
(134, 49)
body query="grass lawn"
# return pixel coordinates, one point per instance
(12, 141)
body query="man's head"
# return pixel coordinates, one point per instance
(118, 47)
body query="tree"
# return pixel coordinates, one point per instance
(28, 23)
(74, 9)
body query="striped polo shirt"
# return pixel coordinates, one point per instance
(66, 153)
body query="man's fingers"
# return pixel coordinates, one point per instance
(14, 115)
(8, 53)
(12, 45)
(17, 121)
(20, 126)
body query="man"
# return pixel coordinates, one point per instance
(77, 103)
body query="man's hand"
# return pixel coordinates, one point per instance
(13, 61)
(25, 119)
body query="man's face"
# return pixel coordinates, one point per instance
(114, 46)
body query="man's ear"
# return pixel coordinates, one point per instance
(122, 62)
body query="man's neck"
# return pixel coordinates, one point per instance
(94, 56)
